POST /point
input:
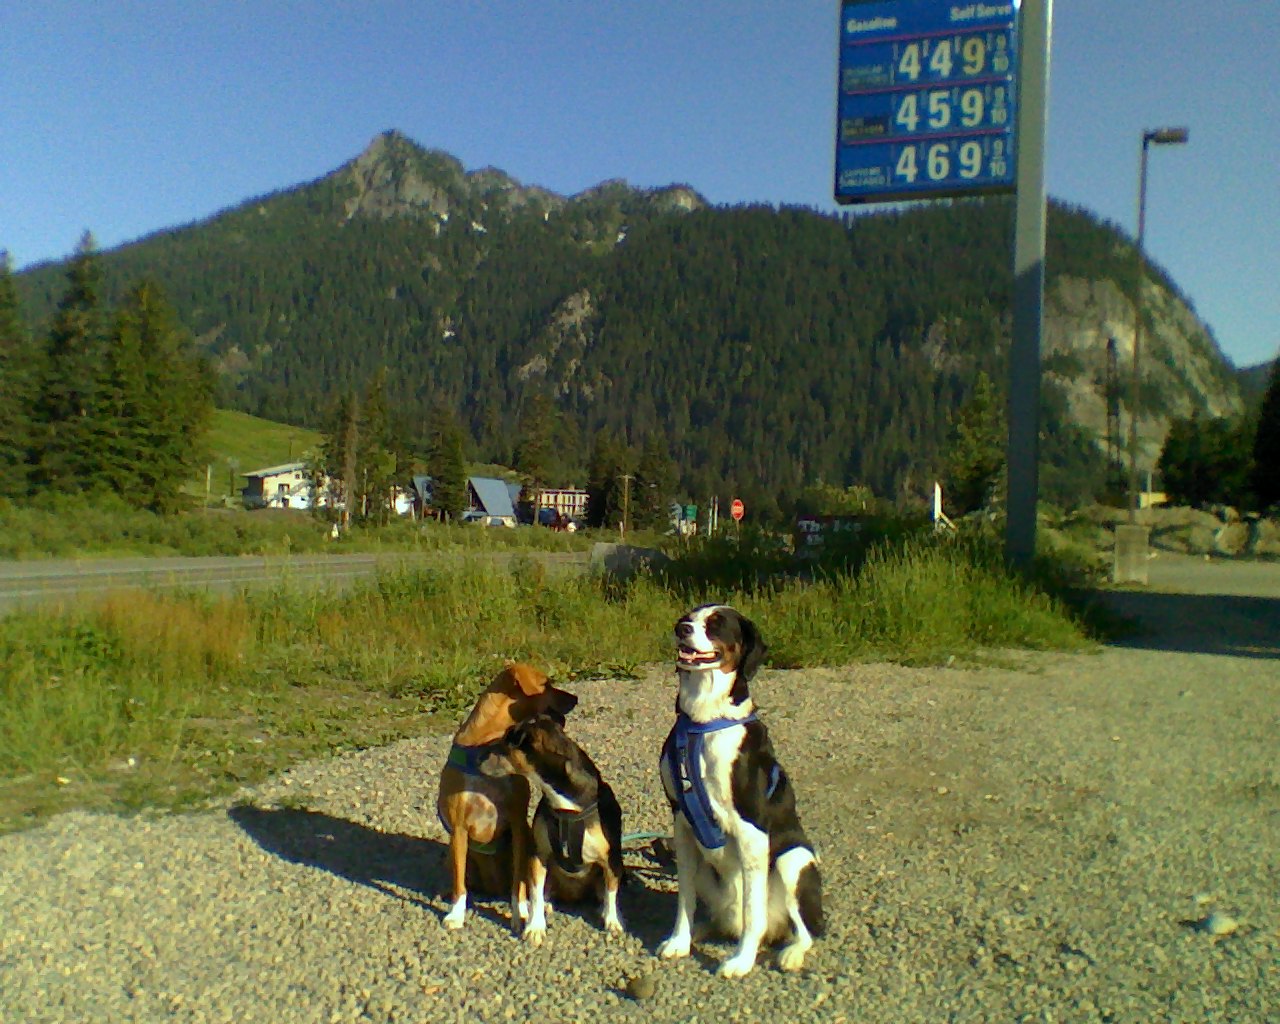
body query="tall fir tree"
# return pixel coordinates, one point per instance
(69, 431)
(446, 462)
(377, 454)
(607, 488)
(655, 483)
(975, 457)
(17, 392)
(157, 400)
(1266, 445)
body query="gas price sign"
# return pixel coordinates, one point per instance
(926, 99)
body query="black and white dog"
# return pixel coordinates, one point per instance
(739, 846)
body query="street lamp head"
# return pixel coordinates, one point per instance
(1166, 136)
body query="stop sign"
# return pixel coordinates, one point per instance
(737, 510)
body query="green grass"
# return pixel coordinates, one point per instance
(159, 699)
(240, 443)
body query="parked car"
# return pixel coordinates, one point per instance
(484, 519)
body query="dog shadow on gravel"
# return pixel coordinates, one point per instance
(413, 868)
(410, 868)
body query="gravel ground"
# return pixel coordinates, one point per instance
(1034, 841)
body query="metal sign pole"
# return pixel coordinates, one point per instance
(1036, 19)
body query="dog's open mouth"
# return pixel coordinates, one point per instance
(687, 655)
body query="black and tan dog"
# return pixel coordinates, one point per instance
(487, 817)
(577, 828)
(739, 846)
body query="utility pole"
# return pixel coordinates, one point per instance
(626, 501)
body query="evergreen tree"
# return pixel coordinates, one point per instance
(17, 375)
(1266, 445)
(975, 457)
(606, 488)
(376, 456)
(535, 452)
(446, 462)
(156, 403)
(69, 431)
(654, 485)
(1207, 461)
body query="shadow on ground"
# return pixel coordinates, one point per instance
(414, 869)
(1246, 627)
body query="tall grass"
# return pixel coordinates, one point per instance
(202, 692)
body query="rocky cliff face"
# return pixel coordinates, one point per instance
(1181, 369)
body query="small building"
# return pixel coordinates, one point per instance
(288, 485)
(490, 496)
(569, 502)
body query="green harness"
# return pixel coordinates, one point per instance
(467, 760)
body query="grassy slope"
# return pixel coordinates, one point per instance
(238, 442)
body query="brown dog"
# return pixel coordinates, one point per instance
(487, 818)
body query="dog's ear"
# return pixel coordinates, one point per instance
(561, 703)
(753, 649)
(529, 679)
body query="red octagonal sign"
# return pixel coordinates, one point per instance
(737, 510)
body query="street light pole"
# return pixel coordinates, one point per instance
(1161, 137)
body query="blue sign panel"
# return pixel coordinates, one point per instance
(926, 100)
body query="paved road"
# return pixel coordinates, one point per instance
(24, 584)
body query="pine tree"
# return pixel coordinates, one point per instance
(68, 429)
(975, 457)
(1266, 445)
(376, 457)
(157, 400)
(535, 452)
(446, 462)
(655, 484)
(17, 374)
(606, 490)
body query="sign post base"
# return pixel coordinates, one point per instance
(1131, 554)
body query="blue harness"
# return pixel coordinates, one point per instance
(684, 759)
(467, 760)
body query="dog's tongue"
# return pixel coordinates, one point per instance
(689, 655)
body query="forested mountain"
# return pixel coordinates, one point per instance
(767, 347)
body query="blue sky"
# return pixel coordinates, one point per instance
(125, 117)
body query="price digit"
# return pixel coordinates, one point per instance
(940, 62)
(971, 107)
(939, 110)
(909, 62)
(974, 53)
(939, 164)
(970, 159)
(906, 167)
(909, 113)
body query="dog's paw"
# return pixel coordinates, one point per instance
(535, 936)
(457, 914)
(737, 966)
(675, 946)
(791, 957)
(613, 926)
(522, 910)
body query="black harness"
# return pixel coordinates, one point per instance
(568, 834)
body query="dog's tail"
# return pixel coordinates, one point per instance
(809, 899)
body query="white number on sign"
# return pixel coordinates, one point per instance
(939, 162)
(970, 159)
(909, 62)
(974, 52)
(939, 110)
(908, 113)
(971, 107)
(940, 62)
(906, 168)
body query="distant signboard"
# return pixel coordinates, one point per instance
(813, 530)
(926, 100)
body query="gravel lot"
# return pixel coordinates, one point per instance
(1035, 839)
